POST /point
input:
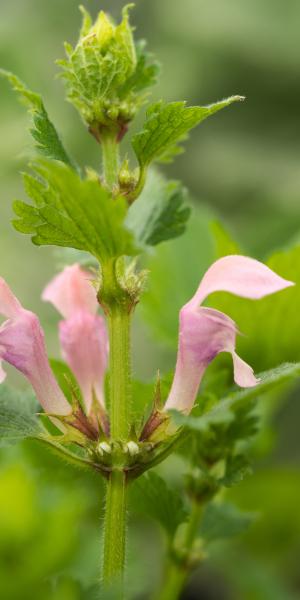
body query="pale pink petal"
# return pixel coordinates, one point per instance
(71, 291)
(9, 305)
(204, 333)
(22, 345)
(243, 373)
(84, 344)
(239, 275)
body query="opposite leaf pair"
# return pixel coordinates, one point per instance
(203, 334)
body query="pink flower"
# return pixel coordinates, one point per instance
(22, 345)
(205, 332)
(82, 333)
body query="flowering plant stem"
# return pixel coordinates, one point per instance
(180, 562)
(115, 530)
(110, 157)
(119, 318)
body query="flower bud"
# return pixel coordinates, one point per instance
(106, 73)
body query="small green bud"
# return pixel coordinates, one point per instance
(127, 178)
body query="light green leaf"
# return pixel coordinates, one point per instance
(44, 133)
(224, 521)
(167, 125)
(152, 496)
(160, 213)
(145, 74)
(17, 416)
(73, 213)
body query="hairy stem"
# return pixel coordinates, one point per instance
(118, 315)
(110, 156)
(115, 532)
(116, 495)
(178, 569)
(119, 338)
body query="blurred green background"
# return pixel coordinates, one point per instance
(242, 167)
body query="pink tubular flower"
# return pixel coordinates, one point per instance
(82, 333)
(22, 345)
(205, 332)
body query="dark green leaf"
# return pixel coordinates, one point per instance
(152, 496)
(17, 416)
(160, 213)
(237, 468)
(44, 132)
(167, 125)
(73, 213)
(223, 521)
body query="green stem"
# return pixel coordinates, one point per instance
(139, 186)
(115, 532)
(119, 338)
(115, 509)
(178, 568)
(110, 154)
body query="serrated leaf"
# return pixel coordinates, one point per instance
(17, 415)
(225, 409)
(145, 74)
(237, 468)
(167, 125)
(152, 496)
(224, 521)
(44, 133)
(160, 213)
(73, 213)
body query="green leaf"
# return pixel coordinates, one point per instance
(167, 125)
(160, 213)
(145, 74)
(152, 496)
(73, 213)
(44, 133)
(17, 416)
(224, 521)
(237, 468)
(225, 409)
